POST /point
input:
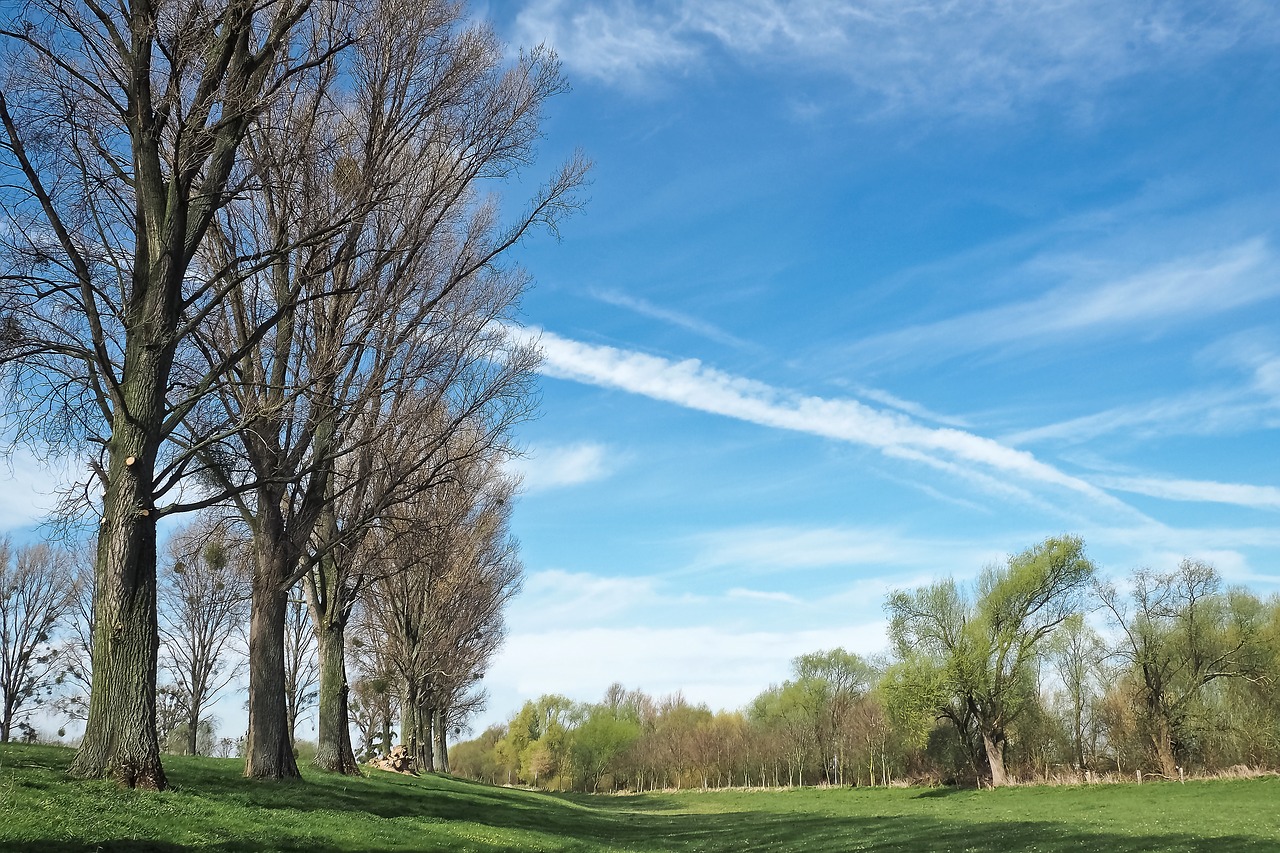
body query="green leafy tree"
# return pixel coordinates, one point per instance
(602, 738)
(1178, 633)
(979, 648)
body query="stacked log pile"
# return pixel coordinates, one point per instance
(397, 761)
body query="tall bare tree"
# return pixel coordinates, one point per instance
(438, 612)
(35, 589)
(77, 637)
(301, 668)
(203, 601)
(122, 131)
(390, 320)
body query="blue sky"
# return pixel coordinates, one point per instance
(872, 292)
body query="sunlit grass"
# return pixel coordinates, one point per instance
(211, 807)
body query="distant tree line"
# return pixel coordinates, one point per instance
(1037, 671)
(252, 266)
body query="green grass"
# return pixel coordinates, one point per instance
(212, 808)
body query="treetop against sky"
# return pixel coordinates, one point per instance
(869, 293)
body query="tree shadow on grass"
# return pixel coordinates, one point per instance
(939, 792)
(753, 833)
(423, 809)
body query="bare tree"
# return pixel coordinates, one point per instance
(438, 612)
(389, 320)
(203, 601)
(124, 124)
(77, 637)
(35, 589)
(301, 669)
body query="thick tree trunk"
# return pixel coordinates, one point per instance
(193, 727)
(1162, 739)
(441, 741)
(334, 752)
(269, 753)
(120, 735)
(994, 742)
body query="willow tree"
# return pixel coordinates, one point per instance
(974, 653)
(123, 126)
(393, 306)
(1177, 632)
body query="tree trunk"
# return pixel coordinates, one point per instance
(425, 718)
(120, 734)
(193, 726)
(442, 741)
(269, 753)
(334, 752)
(994, 742)
(1162, 739)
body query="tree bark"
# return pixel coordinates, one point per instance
(269, 753)
(422, 733)
(994, 742)
(1162, 739)
(120, 734)
(334, 753)
(441, 741)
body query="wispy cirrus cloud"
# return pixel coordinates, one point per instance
(667, 315)
(782, 548)
(692, 384)
(1250, 401)
(909, 407)
(1182, 290)
(762, 596)
(553, 467)
(1202, 491)
(982, 56)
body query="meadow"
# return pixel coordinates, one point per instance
(211, 807)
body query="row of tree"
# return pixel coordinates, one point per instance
(1039, 670)
(250, 266)
(423, 630)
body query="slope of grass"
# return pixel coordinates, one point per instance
(212, 808)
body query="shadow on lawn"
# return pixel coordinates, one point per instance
(645, 823)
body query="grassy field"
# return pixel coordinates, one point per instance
(212, 808)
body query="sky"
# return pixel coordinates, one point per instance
(874, 292)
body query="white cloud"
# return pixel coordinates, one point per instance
(784, 548)
(693, 385)
(723, 668)
(616, 43)
(761, 596)
(983, 56)
(667, 315)
(554, 598)
(1183, 290)
(569, 465)
(1250, 402)
(1207, 491)
(908, 406)
(28, 488)
(1196, 413)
